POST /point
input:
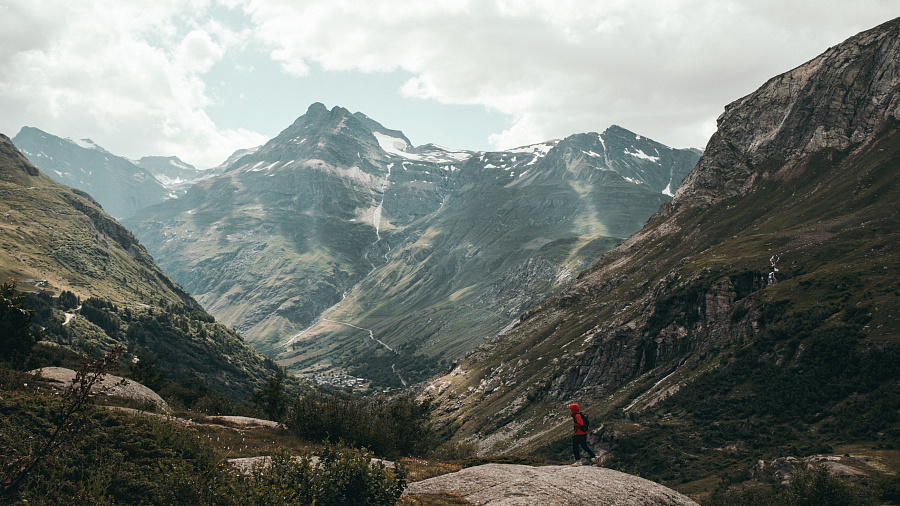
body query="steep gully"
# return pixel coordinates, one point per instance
(376, 218)
(376, 222)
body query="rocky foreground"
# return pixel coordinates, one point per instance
(508, 484)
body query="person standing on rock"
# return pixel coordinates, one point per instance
(579, 440)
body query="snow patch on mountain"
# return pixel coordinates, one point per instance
(439, 154)
(85, 143)
(177, 165)
(537, 151)
(259, 166)
(169, 181)
(394, 145)
(640, 154)
(540, 149)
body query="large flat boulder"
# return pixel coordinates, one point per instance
(508, 484)
(109, 385)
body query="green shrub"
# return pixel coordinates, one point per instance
(815, 486)
(453, 450)
(119, 458)
(389, 427)
(340, 477)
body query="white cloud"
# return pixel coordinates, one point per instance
(197, 53)
(121, 73)
(664, 68)
(131, 75)
(518, 134)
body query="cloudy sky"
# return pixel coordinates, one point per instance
(202, 78)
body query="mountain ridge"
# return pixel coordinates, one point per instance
(750, 267)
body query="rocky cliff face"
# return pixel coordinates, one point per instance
(338, 235)
(783, 231)
(837, 101)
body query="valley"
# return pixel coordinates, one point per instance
(729, 318)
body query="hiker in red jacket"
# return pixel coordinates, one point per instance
(580, 437)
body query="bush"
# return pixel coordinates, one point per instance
(118, 458)
(453, 450)
(340, 477)
(815, 486)
(391, 428)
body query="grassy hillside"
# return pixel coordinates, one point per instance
(55, 240)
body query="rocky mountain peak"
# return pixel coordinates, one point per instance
(636, 159)
(335, 137)
(617, 131)
(838, 100)
(316, 109)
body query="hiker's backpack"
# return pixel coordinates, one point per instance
(586, 421)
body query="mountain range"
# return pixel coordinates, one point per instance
(755, 316)
(174, 174)
(338, 246)
(122, 186)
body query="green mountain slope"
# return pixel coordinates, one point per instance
(54, 238)
(339, 247)
(757, 315)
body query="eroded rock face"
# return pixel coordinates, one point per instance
(508, 484)
(836, 100)
(619, 349)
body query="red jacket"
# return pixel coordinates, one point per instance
(576, 417)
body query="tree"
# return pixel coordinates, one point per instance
(68, 300)
(272, 399)
(16, 338)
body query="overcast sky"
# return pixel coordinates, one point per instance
(202, 78)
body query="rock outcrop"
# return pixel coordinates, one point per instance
(837, 100)
(109, 385)
(508, 484)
